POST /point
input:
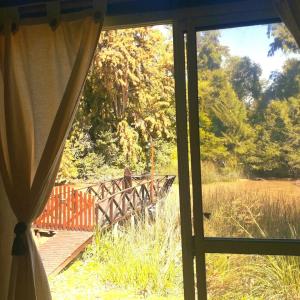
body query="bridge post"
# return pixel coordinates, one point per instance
(127, 178)
(143, 201)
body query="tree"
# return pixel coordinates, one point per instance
(244, 76)
(282, 39)
(209, 50)
(227, 114)
(284, 84)
(277, 142)
(212, 147)
(127, 107)
(128, 96)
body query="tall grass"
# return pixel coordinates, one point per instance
(145, 257)
(249, 210)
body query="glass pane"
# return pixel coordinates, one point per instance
(249, 95)
(243, 277)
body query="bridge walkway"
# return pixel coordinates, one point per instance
(61, 249)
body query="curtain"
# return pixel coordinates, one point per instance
(289, 12)
(42, 72)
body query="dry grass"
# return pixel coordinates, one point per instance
(150, 259)
(264, 209)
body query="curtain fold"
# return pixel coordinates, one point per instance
(42, 72)
(289, 12)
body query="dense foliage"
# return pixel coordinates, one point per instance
(128, 107)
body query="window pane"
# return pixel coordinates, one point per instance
(252, 277)
(249, 95)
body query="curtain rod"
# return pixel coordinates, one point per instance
(38, 12)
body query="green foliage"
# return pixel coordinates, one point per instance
(212, 147)
(284, 84)
(67, 170)
(131, 154)
(245, 78)
(127, 102)
(165, 157)
(127, 108)
(277, 144)
(211, 173)
(225, 129)
(128, 94)
(210, 51)
(279, 279)
(282, 39)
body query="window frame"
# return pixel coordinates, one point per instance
(187, 22)
(189, 119)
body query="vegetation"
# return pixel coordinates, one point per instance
(127, 107)
(143, 261)
(143, 258)
(127, 104)
(248, 127)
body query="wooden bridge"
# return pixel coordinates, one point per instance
(74, 214)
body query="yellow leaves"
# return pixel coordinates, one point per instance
(128, 139)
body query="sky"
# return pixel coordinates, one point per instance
(253, 41)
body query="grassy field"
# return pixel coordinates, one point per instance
(143, 261)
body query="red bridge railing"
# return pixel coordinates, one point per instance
(102, 204)
(67, 209)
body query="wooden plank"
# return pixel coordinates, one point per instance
(81, 225)
(75, 212)
(102, 191)
(69, 204)
(96, 213)
(63, 248)
(84, 214)
(133, 199)
(60, 207)
(73, 199)
(65, 205)
(76, 208)
(46, 214)
(89, 223)
(123, 199)
(51, 212)
(92, 212)
(111, 210)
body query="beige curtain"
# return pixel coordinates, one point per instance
(289, 12)
(42, 72)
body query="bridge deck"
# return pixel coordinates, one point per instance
(60, 250)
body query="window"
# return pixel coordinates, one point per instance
(276, 232)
